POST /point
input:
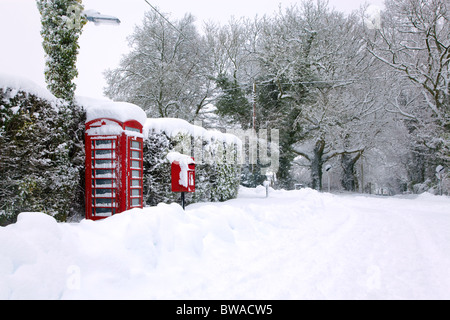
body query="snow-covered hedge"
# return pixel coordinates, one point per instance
(41, 158)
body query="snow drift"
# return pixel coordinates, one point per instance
(293, 245)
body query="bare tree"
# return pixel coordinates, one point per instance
(167, 72)
(320, 61)
(414, 40)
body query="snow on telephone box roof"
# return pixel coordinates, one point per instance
(107, 109)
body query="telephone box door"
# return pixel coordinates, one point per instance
(102, 171)
(136, 173)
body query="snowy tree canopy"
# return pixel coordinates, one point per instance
(167, 70)
(414, 41)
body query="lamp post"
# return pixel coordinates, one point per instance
(328, 169)
(440, 175)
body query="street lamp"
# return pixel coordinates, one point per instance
(97, 18)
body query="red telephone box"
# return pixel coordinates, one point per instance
(114, 167)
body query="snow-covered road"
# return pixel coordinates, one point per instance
(293, 245)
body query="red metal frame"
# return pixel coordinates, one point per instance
(114, 169)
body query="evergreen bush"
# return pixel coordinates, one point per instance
(41, 159)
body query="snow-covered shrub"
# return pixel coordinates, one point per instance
(225, 174)
(157, 171)
(41, 159)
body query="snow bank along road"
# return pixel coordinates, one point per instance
(293, 245)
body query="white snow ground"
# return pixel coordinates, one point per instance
(293, 245)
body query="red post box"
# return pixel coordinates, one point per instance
(183, 179)
(114, 167)
(183, 174)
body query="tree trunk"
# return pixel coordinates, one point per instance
(317, 164)
(349, 181)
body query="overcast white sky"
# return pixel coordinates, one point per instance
(21, 52)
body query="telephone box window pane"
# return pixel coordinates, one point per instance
(103, 212)
(136, 183)
(136, 164)
(104, 154)
(110, 193)
(104, 173)
(100, 192)
(136, 202)
(104, 144)
(104, 202)
(135, 174)
(135, 155)
(135, 145)
(104, 182)
(136, 192)
(132, 129)
(103, 163)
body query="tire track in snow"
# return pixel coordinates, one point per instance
(408, 245)
(432, 256)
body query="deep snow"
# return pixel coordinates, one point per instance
(293, 245)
